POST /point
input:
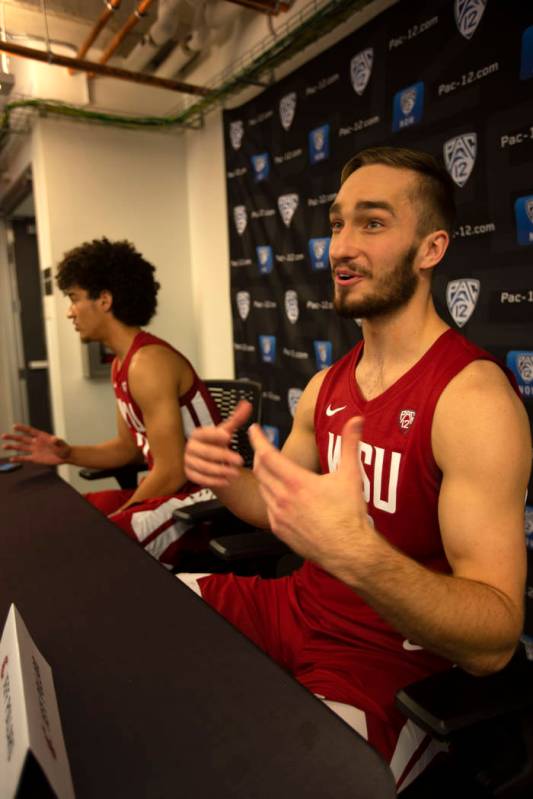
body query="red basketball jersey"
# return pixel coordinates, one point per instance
(401, 480)
(197, 406)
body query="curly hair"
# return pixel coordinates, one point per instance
(117, 267)
(434, 193)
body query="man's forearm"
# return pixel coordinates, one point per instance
(468, 622)
(108, 455)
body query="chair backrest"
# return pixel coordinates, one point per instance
(226, 394)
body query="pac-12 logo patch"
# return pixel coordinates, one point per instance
(408, 106)
(406, 418)
(287, 205)
(319, 144)
(361, 69)
(265, 260)
(240, 218)
(468, 15)
(520, 362)
(319, 253)
(236, 132)
(287, 110)
(460, 157)
(267, 347)
(243, 304)
(272, 433)
(461, 298)
(523, 209)
(323, 353)
(261, 166)
(526, 61)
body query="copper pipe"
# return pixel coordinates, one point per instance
(100, 69)
(133, 19)
(105, 16)
(266, 6)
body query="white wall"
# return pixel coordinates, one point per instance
(91, 181)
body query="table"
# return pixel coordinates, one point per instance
(158, 695)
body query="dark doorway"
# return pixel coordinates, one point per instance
(34, 371)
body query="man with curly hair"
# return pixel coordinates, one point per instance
(160, 399)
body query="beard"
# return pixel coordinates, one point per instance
(392, 292)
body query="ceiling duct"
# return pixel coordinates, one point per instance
(169, 15)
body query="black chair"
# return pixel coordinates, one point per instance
(487, 723)
(246, 550)
(226, 394)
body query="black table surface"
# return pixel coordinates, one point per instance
(158, 695)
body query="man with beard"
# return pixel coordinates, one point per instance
(401, 483)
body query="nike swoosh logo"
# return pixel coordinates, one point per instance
(411, 647)
(332, 411)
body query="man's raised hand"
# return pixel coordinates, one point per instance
(209, 461)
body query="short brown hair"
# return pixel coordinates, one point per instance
(434, 194)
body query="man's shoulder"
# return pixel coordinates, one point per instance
(479, 408)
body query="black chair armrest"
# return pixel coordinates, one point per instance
(208, 511)
(451, 701)
(258, 544)
(126, 476)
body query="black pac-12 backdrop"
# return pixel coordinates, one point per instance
(453, 77)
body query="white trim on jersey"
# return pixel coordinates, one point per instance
(202, 410)
(161, 542)
(188, 421)
(410, 739)
(145, 522)
(355, 718)
(191, 580)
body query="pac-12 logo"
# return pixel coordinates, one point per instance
(323, 353)
(287, 110)
(361, 69)
(461, 298)
(261, 166)
(287, 205)
(236, 132)
(293, 397)
(523, 209)
(460, 157)
(265, 260)
(319, 144)
(468, 15)
(520, 362)
(406, 418)
(272, 433)
(243, 303)
(267, 347)
(291, 306)
(408, 106)
(240, 218)
(319, 253)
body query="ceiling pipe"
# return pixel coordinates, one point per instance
(100, 69)
(133, 19)
(110, 7)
